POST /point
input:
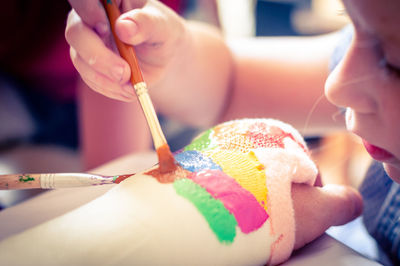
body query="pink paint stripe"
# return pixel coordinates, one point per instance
(249, 214)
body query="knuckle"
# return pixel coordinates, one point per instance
(92, 61)
(95, 77)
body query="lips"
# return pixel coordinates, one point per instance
(377, 153)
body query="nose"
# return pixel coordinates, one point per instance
(352, 82)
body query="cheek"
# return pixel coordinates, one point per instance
(389, 112)
(393, 172)
(391, 143)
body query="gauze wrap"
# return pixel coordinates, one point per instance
(262, 157)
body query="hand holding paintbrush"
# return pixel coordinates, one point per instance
(166, 160)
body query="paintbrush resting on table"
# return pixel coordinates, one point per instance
(56, 180)
(166, 160)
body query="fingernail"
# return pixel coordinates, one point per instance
(101, 28)
(117, 72)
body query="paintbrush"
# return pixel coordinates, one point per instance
(166, 159)
(56, 180)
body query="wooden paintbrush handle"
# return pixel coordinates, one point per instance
(165, 157)
(19, 181)
(56, 180)
(126, 51)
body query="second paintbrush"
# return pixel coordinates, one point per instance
(56, 180)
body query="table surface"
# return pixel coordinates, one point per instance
(54, 203)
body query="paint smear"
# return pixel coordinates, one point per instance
(168, 177)
(26, 178)
(224, 178)
(270, 136)
(245, 136)
(201, 142)
(195, 161)
(222, 223)
(119, 178)
(241, 203)
(166, 161)
(245, 169)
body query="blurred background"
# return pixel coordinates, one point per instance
(39, 109)
(39, 127)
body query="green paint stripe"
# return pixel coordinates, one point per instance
(200, 143)
(220, 220)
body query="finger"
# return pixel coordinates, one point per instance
(94, 52)
(110, 94)
(129, 5)
(92, 13)
(101, 83)
(148, 24)
(154, 31)
(316, 209)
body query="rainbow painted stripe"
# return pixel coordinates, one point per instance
(228, 183)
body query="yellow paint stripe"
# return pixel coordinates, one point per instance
(245, 169)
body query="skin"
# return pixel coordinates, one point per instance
(367, 81)
(103, 119)
(140, 216)
(127, 222)
(190, 67)
(235, 83)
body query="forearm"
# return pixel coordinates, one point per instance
(283, 78)
(109, 128)
(198, 82)
(127, 226)
(258, 77)
(237, 195)
(146, 214)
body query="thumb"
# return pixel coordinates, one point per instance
(316, 209)
(153, 23)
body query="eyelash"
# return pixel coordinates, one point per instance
(392, 70)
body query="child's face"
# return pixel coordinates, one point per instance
(367, 81)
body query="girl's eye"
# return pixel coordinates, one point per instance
(393, 70)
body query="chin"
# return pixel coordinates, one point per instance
(393, 172)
